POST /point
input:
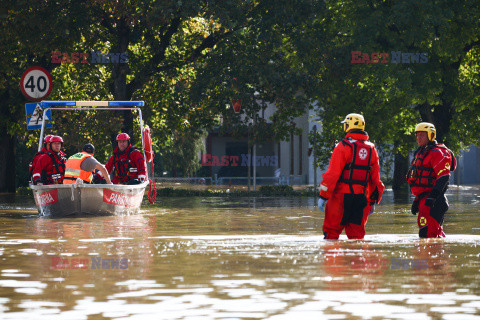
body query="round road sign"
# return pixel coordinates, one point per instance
(36, 83)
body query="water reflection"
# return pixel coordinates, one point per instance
(353, 266)
(239, 258)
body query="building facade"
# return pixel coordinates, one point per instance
(276, 162)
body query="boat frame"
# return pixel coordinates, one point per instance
(60, 200)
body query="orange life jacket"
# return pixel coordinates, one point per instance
(73, 169)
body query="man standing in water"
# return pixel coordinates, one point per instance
(351, 186)
(428, 177)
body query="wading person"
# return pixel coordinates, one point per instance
(351, 186)
(126, 163)
(79, 167)
(428, 177)
(50, 167)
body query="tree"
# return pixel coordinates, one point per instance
(25, 40)
(181, 58)
(395, 96)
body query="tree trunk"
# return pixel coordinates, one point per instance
(119, 75)
(399, 185)
(7, 163)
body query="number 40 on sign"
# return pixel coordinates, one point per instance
(36, 83)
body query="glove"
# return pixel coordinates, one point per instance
(415, 204)
(430, 202)
(431, 198)
(372, 210)
(321, 203)
(374, 196)
(38, 182)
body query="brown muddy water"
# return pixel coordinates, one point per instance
(237, 258)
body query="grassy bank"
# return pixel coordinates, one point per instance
(213, 191)
(266, 191)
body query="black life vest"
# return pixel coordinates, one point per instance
(421, 176)
(55, 174)
(357, 171)
(123, 164)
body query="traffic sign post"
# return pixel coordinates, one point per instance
(36, 83)
(35, 115)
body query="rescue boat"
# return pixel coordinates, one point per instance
(96, 199)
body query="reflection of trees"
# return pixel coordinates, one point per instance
(110, 237)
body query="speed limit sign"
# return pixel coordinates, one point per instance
(36, 83)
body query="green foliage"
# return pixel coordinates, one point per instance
(393, 97)
(265, 191)
(189, 59)
(276, 190)
(183, 153)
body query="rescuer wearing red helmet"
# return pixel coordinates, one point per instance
(45, 148)
(50, 167)
(351, 186)
(127, 163)
(428, 177)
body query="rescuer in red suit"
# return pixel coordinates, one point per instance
(428, 177)
(50, 167)
(126, 163)
(351, 186)
(45, 148)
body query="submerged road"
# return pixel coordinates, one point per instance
(237, 258)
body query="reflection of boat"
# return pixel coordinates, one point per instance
(71, 199)
(100, 199)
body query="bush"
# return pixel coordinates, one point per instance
(276, 190)
(25, 191)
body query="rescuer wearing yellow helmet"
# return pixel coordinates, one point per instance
(428, 177)
(353, 121)
(351, 186)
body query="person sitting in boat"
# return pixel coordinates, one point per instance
(45, 148)
(50, 167)
(127, 163)
(80, 166)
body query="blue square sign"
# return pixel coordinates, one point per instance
(35, 115)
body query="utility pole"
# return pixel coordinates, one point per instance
(249, 159)
(254, 156)
(314, 161)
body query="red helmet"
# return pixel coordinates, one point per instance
(123, 136)
(47, 138)
(56, 139)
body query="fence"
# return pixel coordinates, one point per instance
(196, 182)
(168, 181)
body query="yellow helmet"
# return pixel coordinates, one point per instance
(427, 127)
(353, 121)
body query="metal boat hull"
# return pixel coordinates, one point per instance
(96, 199)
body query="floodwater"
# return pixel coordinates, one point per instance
(237, 258)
